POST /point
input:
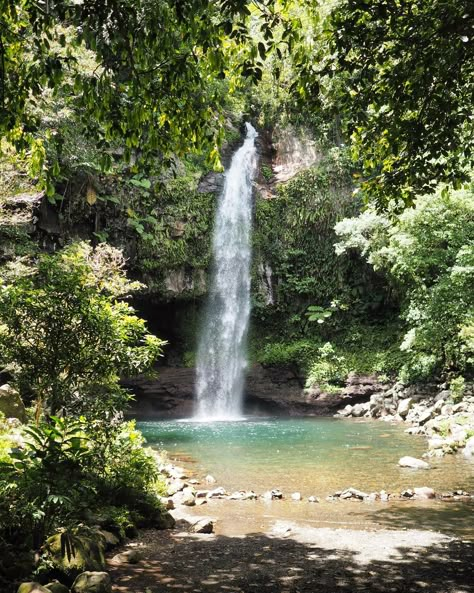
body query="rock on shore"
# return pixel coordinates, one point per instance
(431, 410)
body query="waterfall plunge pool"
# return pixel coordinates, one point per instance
(317, 456)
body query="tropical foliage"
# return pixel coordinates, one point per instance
(427, 253)
(65, 335)
(400, 77)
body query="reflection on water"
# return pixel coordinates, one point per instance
(317, 456)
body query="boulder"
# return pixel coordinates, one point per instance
(187, 497)
(217, 493)
(447, 410)
(176, 472)
(250, 495)
(203, 526)
(404, 406)
(32, 587)
(413, 463)
(167, 503)
(11, 403)
(425, 415)
(313, 499)
(468, 450)
(443, 395)
(202, 493)
(458, 433)
(174, 486)
(346, 412)
(164, 521)
(72, 553)
(359, 410)
(353, 493)
(415, 430)
(436, 442)
(210, 479)
(237, 495)
(424, 492)
(296, 496)
(127, 557)
(110, 539)
(92, 582)
(56, 587)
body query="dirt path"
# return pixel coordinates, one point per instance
(292, 558)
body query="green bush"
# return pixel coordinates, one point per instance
(427, 255)
(457, 388)
(328, 370)
(297, 354)
(69, 467)
(65, 335)
(5, 441)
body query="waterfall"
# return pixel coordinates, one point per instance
(221, 356)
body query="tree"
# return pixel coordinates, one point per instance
(428, 252)
(157, 75)
(66, 336)
(400, 73)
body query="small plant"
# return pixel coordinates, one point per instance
(329, 371)
(457, 388)
(444, 428)
(267, 172)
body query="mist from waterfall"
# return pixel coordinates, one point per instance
(222, 356)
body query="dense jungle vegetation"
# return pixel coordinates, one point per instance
(111, 115)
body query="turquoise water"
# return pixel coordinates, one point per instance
(315, 456)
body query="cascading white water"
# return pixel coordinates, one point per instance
(221, 357)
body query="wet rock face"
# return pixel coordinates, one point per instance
(212, 183)
(275, 390)
(185, 281)
(294, 152)
(268, 390)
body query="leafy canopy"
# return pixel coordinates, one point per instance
(156, 75)
(401, 75)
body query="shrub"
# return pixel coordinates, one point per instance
(65, 335)
(329, 370)
(427, 253)
(297, 354)
(68, 467)
(457, 388)
(5, 441)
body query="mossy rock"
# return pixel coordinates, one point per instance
(110, 539)
(92, 582)
(32, 587)
(71, 553)
(164, 521)
(11, 404)
(56, 587)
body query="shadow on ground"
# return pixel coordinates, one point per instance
(452, 518)
(257, 562)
